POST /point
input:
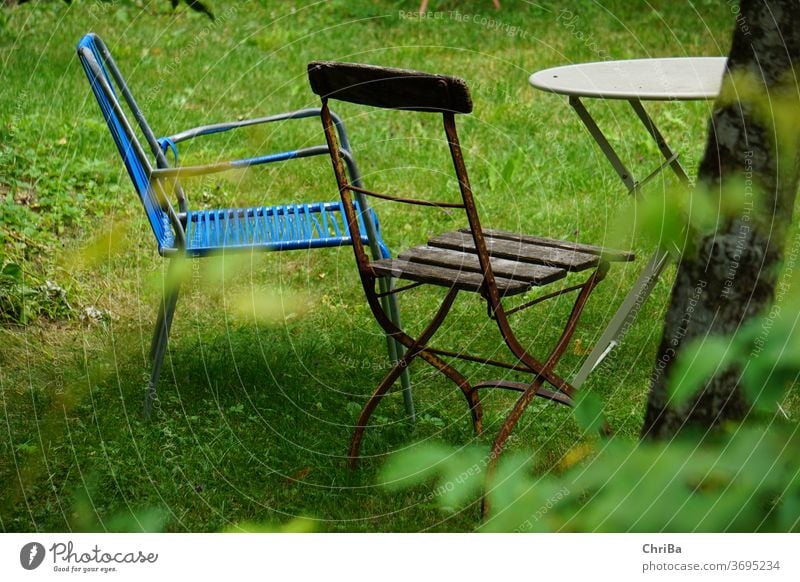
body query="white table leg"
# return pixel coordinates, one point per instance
(624, 317)
(627, 312)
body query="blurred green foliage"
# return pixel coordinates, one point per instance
(744, 479)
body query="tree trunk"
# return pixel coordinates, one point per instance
(730, 275)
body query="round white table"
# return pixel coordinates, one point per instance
(671, 79)
(634, 81)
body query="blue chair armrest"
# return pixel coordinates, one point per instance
(215, 168)
(230, 125)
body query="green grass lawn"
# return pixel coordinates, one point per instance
(256, 411)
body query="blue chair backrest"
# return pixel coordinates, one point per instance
(97, 62)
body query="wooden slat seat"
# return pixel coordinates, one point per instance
(518, 250)
(609, 254)
(516, 271)
(444, 276)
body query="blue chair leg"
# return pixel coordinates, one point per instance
(158, 331)
(396, 349)
(158, 348)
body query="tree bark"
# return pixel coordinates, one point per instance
(731, 273)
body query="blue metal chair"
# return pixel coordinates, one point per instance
(187, 233)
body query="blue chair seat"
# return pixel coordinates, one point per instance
(278, 228)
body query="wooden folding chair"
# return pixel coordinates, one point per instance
(493, 263)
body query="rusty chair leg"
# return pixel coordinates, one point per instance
(549, 365)
(541, 375)
(392, 330)
(413, 349)
(372, 404)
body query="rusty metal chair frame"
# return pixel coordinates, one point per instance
(495, 264)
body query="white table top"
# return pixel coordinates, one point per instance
(663, 79)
